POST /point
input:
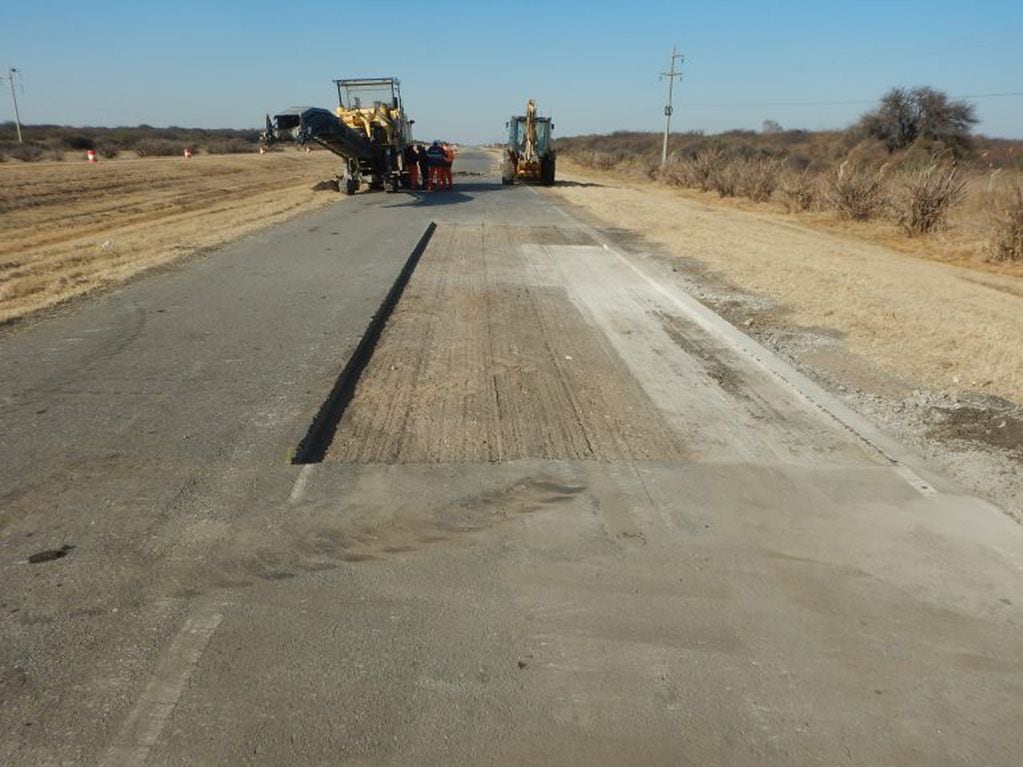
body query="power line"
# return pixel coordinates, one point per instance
(991, 95)
(940, 48)
(835, 103)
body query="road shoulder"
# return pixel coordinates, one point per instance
(926, 351)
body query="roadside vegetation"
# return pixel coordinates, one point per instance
(69, 228)
(910, 169)
(56, 142)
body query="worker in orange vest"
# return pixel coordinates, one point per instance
(449, 160)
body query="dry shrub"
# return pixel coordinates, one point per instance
(600, 160)
(25, 152)
(158, 147)
(858, 193)
(78, 143)
(1007, 243)
(925, 198)
(229, 146)
(757, 178)
(108, 150)
(702, 169)
(55, 148)
(675, 173)
(725, 178)
(868, 152)
(800, 190)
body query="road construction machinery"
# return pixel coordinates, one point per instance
(530, 154)
(369, 131)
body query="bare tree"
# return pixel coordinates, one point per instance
(905, 115)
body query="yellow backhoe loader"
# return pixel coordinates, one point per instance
(530, 154)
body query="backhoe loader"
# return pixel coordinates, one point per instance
(530, 154)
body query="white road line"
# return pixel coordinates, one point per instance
(914, 480)
(144, 725)
(298, 489)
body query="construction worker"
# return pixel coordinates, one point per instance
(435, 158)
(424, 165)
(449, 160)
(411, 161)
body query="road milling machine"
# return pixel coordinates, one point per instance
(530, 154)
(368, 130)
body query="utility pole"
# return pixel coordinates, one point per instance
(671, 74)
(17, 118)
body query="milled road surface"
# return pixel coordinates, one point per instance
(568, 517)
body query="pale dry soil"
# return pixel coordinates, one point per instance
(69, 228)
(930, 351)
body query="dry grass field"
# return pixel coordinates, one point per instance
(69, 228)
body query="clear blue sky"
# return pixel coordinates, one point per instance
(466, 66)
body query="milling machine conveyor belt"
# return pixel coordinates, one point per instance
(304, 124)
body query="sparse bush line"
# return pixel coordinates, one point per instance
(27, 152)
(600, 160)
(1007, 244)
(158, 147)
(229, 146)
(918, 202)
(77, 140)
(854, 175)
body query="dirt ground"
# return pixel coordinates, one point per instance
(68, 228)
(929, 351)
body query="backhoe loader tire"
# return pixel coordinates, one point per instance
(351, 186)
(547, 171)
(508, 170)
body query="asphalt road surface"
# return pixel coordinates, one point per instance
(565, 515)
